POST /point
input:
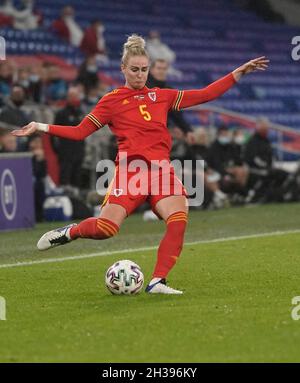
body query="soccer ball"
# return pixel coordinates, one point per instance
(124, 277)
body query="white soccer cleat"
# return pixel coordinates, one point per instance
(160, 287)
(55, 237)
(149, 216)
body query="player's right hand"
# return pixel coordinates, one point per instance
(27, 130)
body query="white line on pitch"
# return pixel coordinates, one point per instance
(125, 251)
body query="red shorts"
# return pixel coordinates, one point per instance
(132, 187)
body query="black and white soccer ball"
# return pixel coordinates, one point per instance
(124, 277)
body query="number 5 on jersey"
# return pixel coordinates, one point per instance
(145, 113)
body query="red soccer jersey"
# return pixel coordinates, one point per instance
(138, 119)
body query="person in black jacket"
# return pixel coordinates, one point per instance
(265, 181)
(258, 150)
(39, 170)
(158, 78)
(88, 74)
(224, 159)
(70, 153)
(12, 113)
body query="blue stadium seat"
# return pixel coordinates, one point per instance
(207, 47)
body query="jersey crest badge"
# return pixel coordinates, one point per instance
(152, 96)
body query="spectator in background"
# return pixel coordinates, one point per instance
(240, 172)
(26, 18)
(91, 99)
(93, 42)
(258, 151)
(6, 13)
(160, 51)
(157, 49)
(67, 28)
(224, 160)
(213, 196)
(39, 168)
(23, 80)
(38, 78)
(56, 88)
(265, 180)
(12, 112)
(8, 143)
(238, 141)
(88, 73)
(70, 153)
(180, 149)
(7, 7)
(6, 79)
(158, 78)
(199, 148)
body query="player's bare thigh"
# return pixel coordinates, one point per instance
(169, 205)
(113, 212)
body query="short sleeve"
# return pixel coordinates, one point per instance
(101, 114)
(173, 97)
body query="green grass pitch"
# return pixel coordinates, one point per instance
(236, 305)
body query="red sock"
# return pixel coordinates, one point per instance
(94, 228)
(171, 244)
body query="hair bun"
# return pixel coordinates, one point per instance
(134, 46)
(135, 41)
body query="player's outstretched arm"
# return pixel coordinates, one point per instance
(76, 133)
(219, 87)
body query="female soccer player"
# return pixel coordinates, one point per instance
(137, 116)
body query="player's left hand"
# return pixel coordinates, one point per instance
(260, 63)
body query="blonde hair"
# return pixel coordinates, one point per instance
(134, 46)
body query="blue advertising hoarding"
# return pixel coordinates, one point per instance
(16, 191)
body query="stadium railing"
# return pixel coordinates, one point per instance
(285, 140)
